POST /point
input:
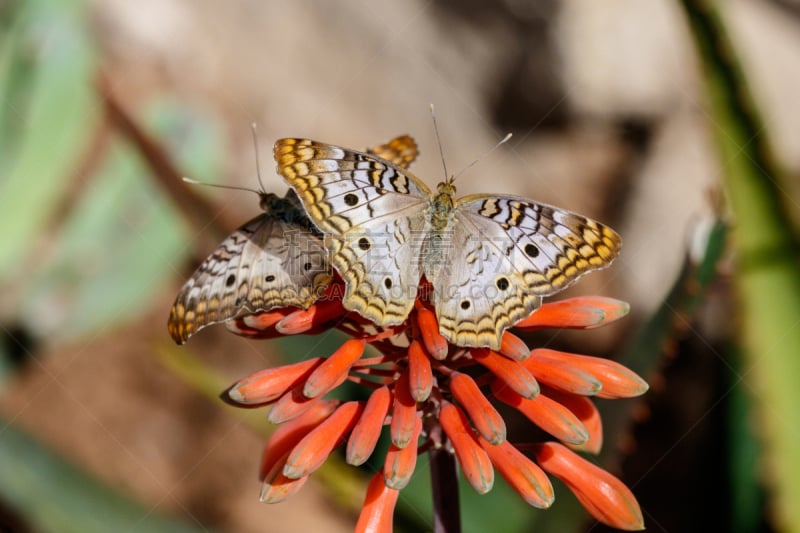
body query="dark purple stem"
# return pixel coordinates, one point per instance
(444, 484)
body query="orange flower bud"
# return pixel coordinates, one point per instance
(603, 495)
(484, 416)
(549, 415)
(367, 431)
(333, 370)
(287, 435)
(316, 446)
(270, 384)
(513, 347)
(260, 325)
(292, 404)
(400, 462)
(404, 413)
(618, 381)
(278, 487)
(376, 513)
(268, 319)
(521, 473)
(237, 326)
(304, 320)
(585, 410)
(474, 460)
(512, 373)
(583, 312)
(434, 342)
(562, 376)
(420, 375)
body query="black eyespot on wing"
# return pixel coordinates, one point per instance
(531, 250)
(230, 280)
(307, 267)
(502, 283)
(387, 283)
(465, 305)
(364, 243)
(350, 199)
(270, 278)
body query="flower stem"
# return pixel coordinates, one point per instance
(444, 483)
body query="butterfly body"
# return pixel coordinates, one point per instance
(489, 258)
(443, 206)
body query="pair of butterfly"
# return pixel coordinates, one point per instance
(490, 259)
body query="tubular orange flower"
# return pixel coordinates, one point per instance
(513, 347)
(368, 429)
(585, 411)
(487, 421)
(255, 325)
(515, 376)
(474, 461)
(304, 321)
(314, 448)
(603, 495)
(334, 370)
(277, 487)
(268, 385)
(420, 374)
(617, 380)
(400, 462)
(420, 388)
(404, 414)
(563, 376)
(549, 415)
(583, 312)
(521, 473)
(376, 514)
(292, 404)
(434, 342)
(291, 433)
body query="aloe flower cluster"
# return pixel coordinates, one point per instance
(437, 396)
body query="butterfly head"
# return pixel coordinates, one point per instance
(447, 187)
(269, 202)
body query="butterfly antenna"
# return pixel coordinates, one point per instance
(439, 142)
(496, 146)
(235, 187)
(258, 164)
(219, 186)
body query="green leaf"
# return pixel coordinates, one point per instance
(49, 114)
(112, 255)
(767, 278)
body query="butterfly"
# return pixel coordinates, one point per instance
(275, 260)
(490, 259)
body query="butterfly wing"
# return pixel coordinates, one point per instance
(400, 151)
(508, 252)
(373, 215)
(271, 261)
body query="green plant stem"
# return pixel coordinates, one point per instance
(768, 278)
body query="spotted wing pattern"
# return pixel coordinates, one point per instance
(277, 259)
(506, 253)
(373, 215)
(274, 260)
(490, 258)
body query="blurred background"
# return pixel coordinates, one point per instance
(674, 122)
